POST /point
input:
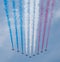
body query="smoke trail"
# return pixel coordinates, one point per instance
(26, 29)
(21, 22)
(40, 24)
(27, 24)
(50, 20)
(45, 22)
(28, 20)
(34, 42)
(9, 25)
(14, 12)
(31, 28)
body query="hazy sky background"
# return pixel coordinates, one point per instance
(7, 55)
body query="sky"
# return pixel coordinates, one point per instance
(7, 55)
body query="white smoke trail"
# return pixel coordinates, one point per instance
(31, 27)
(26, 26)
(35, 24)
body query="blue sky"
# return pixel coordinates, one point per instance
(7, 55)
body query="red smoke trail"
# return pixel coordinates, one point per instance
(49, 26)
(45, 22)
(40, 24)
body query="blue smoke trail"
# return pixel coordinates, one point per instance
(14, 11)
(21, 21)
(9, 25)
